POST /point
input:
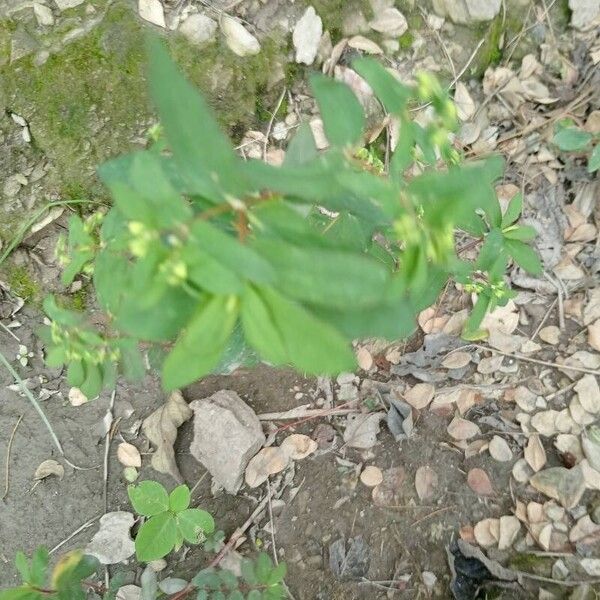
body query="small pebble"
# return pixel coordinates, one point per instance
(371, 476)
(550, 334)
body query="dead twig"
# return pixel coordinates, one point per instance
(432, 514)
(271, 120)
(106, 451)
(539, 327)
(77, 531)
(7, 466)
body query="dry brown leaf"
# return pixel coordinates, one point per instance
(465, 106)
(579, 414)
(268, 461)
(361, 430)
(535, 512)
(426, 481)
(565, 485)
(461, 429)
(371, 476)
(128, 455)
(521, 471)
(509, 529)
(476, 447)
(550, 334)
(420, 395)
(112, 542)
(499, 449)
(47, 468)
(479, 482)
(535, 455)
(298, 446)
(545, 422)
(161, 429)
(387, 493)
(364, 358)
(569, 443)
(503, 319)
(456, 360)
(589, 394)
(484, 532)
(490, 364)
(594, 335)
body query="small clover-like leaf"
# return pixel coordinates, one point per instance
(179, 498)
(572, 139)
(148, 498)
(156, 537)
(193, 522)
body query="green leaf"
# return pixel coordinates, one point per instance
(302, 148)
(254, 595)
(235, 595)
(201, 344)
(92, 384)
(193, 522)
(204, 155)
(230, 253)
(75, 373)
(342, 114)
(148, 498)
(228, 579)
(470, 329)
(132, 360)
(179, 498)
(594, 160)
(20, 593)
(525, 256)
(248, 571)
(327, 277)
(491, 248)
(156, 537)
(210, 274)
(523, 233)
(393, 95)
(22, 565)
(277, 574)
(402, 157)
(39, 566)
(572, 139)
(264, 566)
(285, 333)
(513, 210)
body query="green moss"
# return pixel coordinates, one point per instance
(22, 283)
(490, 54)
(406, 40)
(78, 300)
(538, 565)
(332, 13)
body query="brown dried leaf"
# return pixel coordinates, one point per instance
(499, 449)
(161, 429)
(268, 461)
(589, 394)
(479, 482)
(128, 455)
(387, 493)
(298, 446)
(371, 476)
(426, 481)
(420, 395)
(509, 529)
(521, 471)
(565, 485)
(484, 532)
(47, 468)
(456, 360)
(594, 335)
(535, 455)
(461, 429)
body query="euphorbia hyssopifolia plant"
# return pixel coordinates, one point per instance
(207, 257)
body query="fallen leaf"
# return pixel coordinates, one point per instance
(479, 482)
(268, 461)
(161, 429)
(509, 529)
(521, 471)
(569, 443)
(77, 397)
(371, 476)
(128, 455)
(535, 512)
(503, 319)
(420, 395)
(584, 527)
(461, 429)
(456, 360)
(298, 446)
(545, 422)
(238, 38)
(591, 566)
(361, 430)
(487, 532)
(387, 493)
(112, 543)
(589, 394)
(594, 335)
(535, 455)
(426, 481)
(129, 592)
(565, 485)
(47, 468)
(364, 358)
(499, 449)
(490, 364)
(550, 334)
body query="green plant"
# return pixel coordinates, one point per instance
(211, 259)
(64, 582)
(570, 138)
(170, 519)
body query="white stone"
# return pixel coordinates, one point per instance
(467, 11)
(307, 35)
(64, 4)
(152, 11)
(584, 12)
(238, 38)
(198, 29)
(390, 22)
(43, 14)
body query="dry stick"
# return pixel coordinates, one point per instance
(77, 531)
(40, 412)
(539, 327)
(545, 363)
(106, 451)
(9, 331)
(271, 120)
(8, 449)
(432, 514)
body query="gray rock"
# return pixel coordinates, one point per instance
(43, 14)
(307, 35)
(227, 434)
(467, 11)
(152, 11)
(22, 44)
(11, 187)
(198, 29)
(584, 12)
(64, 4)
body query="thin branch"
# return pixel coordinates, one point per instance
(8, 449)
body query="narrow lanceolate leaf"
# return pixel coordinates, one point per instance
(156, 537)
(342, 114)
(148, 498)
(283, 332)
(524, 256)
(201, 344)
(203, 153)
(513, 210)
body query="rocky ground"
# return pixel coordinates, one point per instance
(435, 447)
